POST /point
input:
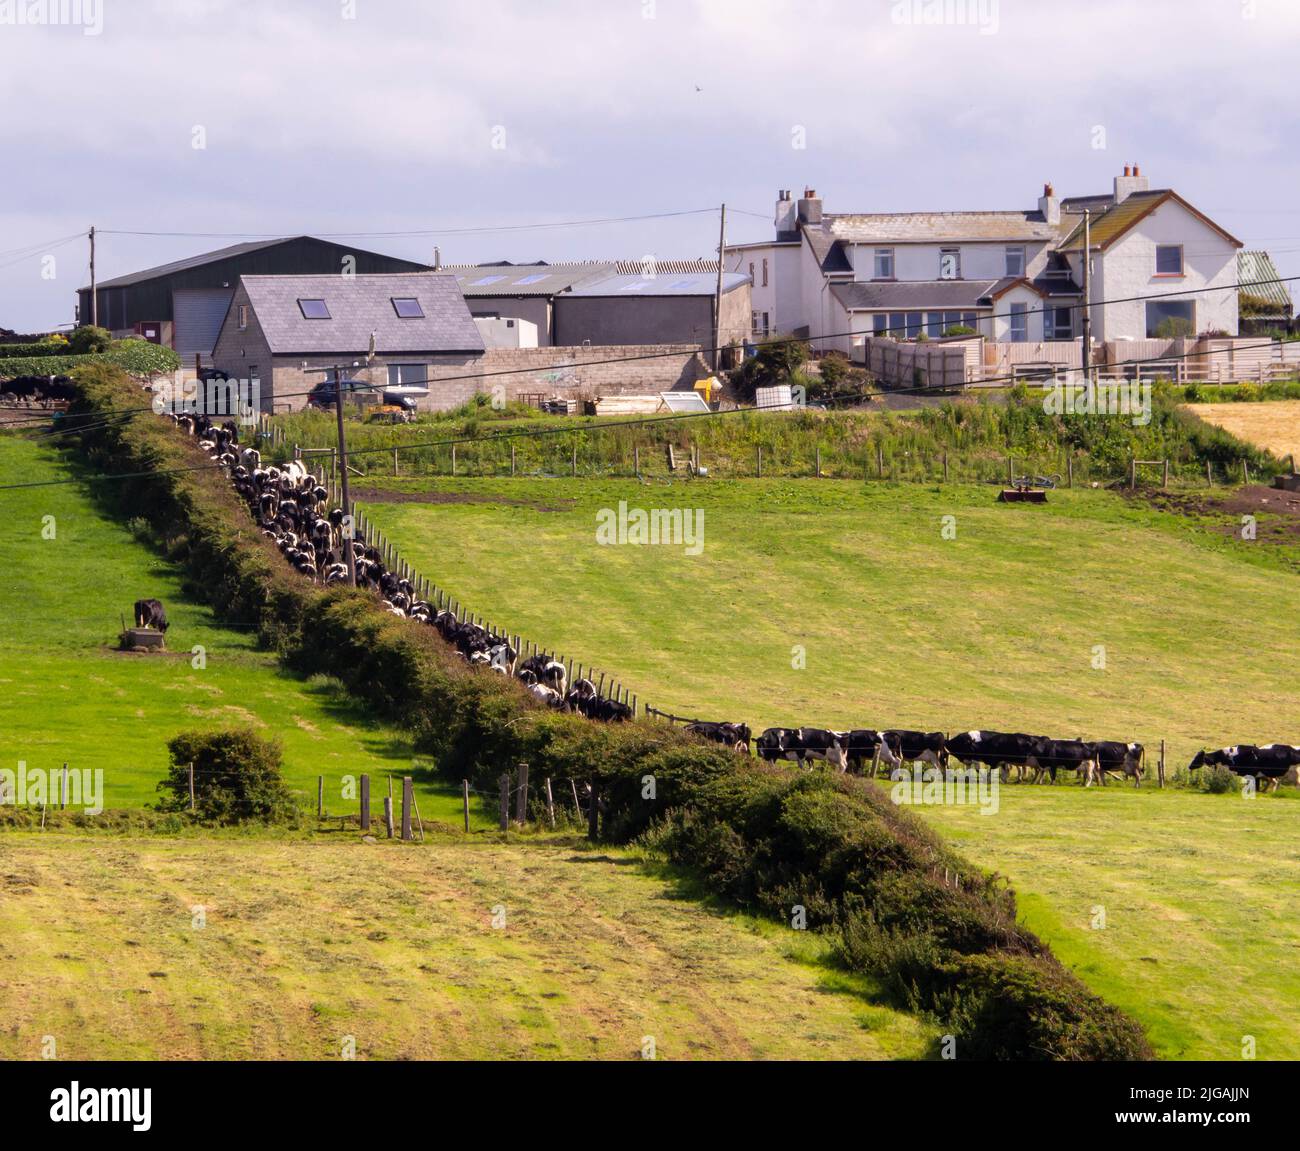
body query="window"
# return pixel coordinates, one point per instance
(1015, 261)
(1058, 324)
(243, 316)
(883, 268)
(897, 324)
(759, 325)
(765, 271)
(950, 263)
(1169, 259)
(1168, 319)
(1019, 323)
(408, 308)
(879, 323)
(934, 324)
(399, 374)
(486, 280)
(314, 310)
(752, 280)
(914, 321)
(634, 286)
(534, 279)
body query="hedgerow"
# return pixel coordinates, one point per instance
(939, 935)
(139, 357)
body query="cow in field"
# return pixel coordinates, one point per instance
(1269, 761)
(1122, 760)
(998, 750)
(150, 613)
(802, 744)
(733, 735)
(861, 744)
(919, 746)
(1066, 755)
(548, 671)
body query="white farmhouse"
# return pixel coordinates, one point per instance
(1011, 275)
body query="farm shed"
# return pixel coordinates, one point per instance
(664, 308)
(194, 293)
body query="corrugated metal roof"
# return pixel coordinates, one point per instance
(526, 279)
(690, 284)
(192, 262)
(1254, 271)
(358, 306)
(665, 267)
(938, 227)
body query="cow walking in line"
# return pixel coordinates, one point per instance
(1266, 761)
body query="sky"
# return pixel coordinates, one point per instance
(479, 121)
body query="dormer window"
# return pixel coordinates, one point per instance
(950, 263)
(313, 310)
(407, 308)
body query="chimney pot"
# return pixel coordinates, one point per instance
(1136, 170)
(1127, 170)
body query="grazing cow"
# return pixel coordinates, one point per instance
(733, 735)
(1269, 761)
(860, 749)
(919, 746)
(1066, 755)
(997, 749)
(150, 613)
(804, 744)
(547, 695)
(1122, 760)
(548, 671)
(777, 743)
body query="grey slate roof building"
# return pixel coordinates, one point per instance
(358, 306)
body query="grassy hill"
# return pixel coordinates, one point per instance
(308, 942)
(998, 627)
(71, 696)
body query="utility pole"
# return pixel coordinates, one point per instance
(717, 304)
(1086, 357)
(343, 473)
(94, 294)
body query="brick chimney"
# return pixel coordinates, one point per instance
(810, 207)
(787, 227)
(1050, 205)
(1132, 181)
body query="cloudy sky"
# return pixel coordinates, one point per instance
(246, 118)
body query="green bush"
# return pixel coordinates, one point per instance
(88, 339)
(33, 351)
(1219, 780)
(236, 777)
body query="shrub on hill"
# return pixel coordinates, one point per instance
(940, 935)
(236, 777)
(88, 339)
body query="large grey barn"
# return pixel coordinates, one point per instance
(189, 298)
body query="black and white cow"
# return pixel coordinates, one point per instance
(802, 744)
(150, 613)
(1269, 761)
(998, 750)
(919, 746)
(1122, 760)
(548, 671)
(860, 747)
(733, 735)
(1066, 755)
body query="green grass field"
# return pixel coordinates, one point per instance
(999, 627)
(70, 696)
(307, 942)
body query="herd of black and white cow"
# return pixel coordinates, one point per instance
(291, 506)
(1015, 757)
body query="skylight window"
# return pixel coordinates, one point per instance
(535, 279)
(314, 309)
(408, 308)
(486, 280)
(635, 286)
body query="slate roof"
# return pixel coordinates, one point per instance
(903, 295)
(938, 227)
(1116, 220)
(662, 284)
(359, 305)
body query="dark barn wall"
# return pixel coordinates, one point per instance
(152, 299)
(622, 320)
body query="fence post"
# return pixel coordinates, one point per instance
(550, 802)
(408, 796)
(575, 460)
(1069, 470)
(1133, 473)
(1011, 471)
(521, 796)
(365, 802)
(63, 789)
(453, 459)
(758, 458)
(320, 797)
(191, 786)
(636, 460)
(819, 461)
(880, 461)
(945, 467)
(394, 462)
(464, 791)
(1160, 767)
(577, 807)
(1245, 471)
(1209, 473)
(504, 783)
(1165, 483)
(388, 815)
(512, 460)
